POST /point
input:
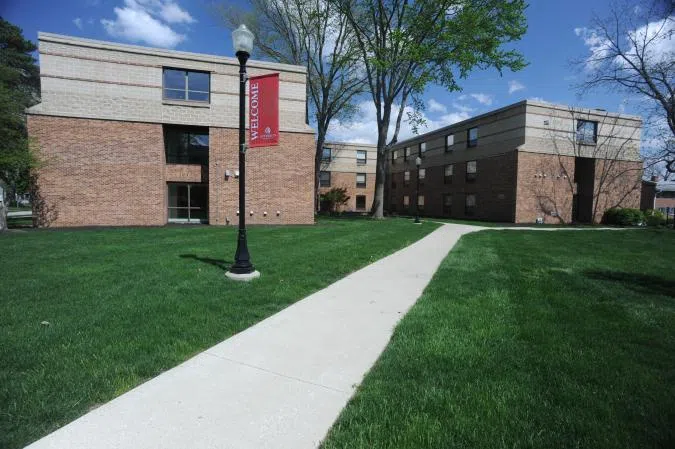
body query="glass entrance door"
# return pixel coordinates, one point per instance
(188, 203)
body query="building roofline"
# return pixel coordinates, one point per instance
(349, 144)
(175, 54)
(518, 104)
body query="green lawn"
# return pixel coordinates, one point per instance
(530, 340)
(126, 304)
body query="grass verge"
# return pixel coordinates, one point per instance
(123, 305)
(530, 339)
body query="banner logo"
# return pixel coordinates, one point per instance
(263, 94)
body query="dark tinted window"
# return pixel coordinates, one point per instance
(186, 145)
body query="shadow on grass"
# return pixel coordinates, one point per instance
(222, 264)
(641, 283)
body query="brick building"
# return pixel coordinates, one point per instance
(140, 136)
(351, 166)
(658, 195)
(527, 162)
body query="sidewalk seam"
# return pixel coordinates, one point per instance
(259, 368)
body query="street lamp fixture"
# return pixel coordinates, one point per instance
(242, 269)
(418, 163)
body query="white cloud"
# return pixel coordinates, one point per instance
(484, 99)
(515, 86)
(364, 129)
(173, 13)
(658, 34)
(78, 22)
(462, 107)
(147, 21)
(539, 99)
(435, 106)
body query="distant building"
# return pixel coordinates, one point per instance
(142, 136)
(351, 166)
(659, 195)
(523, 163)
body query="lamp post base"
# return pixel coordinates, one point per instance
(243, 277)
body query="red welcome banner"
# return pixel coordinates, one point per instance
(263, 110)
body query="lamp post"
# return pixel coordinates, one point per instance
(242, 269)
(418, 162)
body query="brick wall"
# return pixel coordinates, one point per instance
(545, 188)
(111, 173)
(277, 179)
(100, 172)
(348, 180)
(616, 184)
(494, 188)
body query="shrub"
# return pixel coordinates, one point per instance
(335, 197)
(623, 216)
(655, 218)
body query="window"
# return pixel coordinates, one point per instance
(470, 206)
(360, 202)
(420, 202)
(587, 132)
(186, 145)
(326, 154)
(361, 157)
(472, 137)
(360, 180)
(423, 148)
(406, 153)
(188, 203)
(406, 177)
(324, 179)
(422, 173)
(447, 204)
(394, 156)
(449, 142)
(186, 85)
(406, 200)
(447, 175)
(471, 171)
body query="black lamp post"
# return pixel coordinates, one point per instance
(418, 162)
(242, 269)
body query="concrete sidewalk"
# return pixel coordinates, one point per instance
(279, 384)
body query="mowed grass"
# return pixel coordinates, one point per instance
(529, 339)
(123, 305)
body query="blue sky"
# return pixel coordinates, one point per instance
(548, 46)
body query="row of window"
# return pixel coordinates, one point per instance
(324, 179)
(587, 133)
(469, 203)
(448, 172)
(471, 141)
(361, 156)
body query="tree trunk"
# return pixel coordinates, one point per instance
(320, 141)
(3, 216)
(377, 209)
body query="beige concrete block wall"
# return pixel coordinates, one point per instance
(95, 79)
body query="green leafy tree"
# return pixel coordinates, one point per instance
(19, 89)
(407, 45)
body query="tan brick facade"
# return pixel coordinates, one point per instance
(110, 173)
(348, 181)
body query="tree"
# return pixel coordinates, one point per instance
(310, 33)
(633, 50)
(405, 46)
(336, 198)
(19, 89)
(597, 164)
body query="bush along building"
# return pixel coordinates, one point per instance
(351, 167)
(524, 163)
(131, 135)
